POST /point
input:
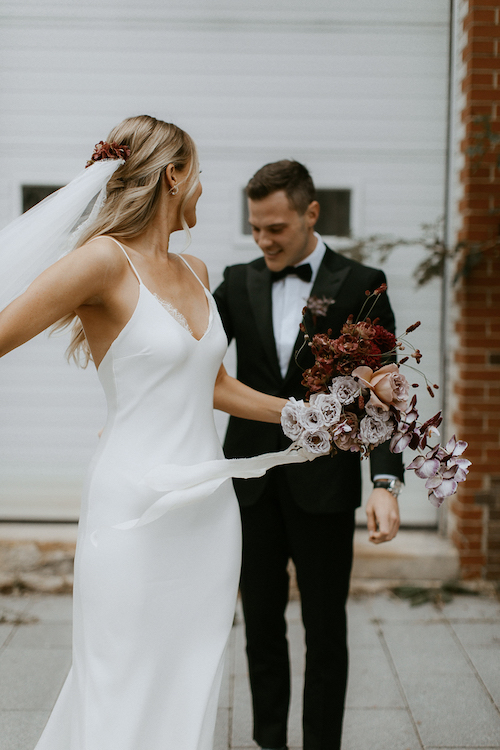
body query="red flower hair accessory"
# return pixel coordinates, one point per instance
(104, 150)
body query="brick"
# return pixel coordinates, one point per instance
(487, 467)
(471, 395)
(471, 540)
(464, 326)
(472, 110)
(490, 62)
(471, 204)
(471, 573)
(474, 483)
(470, 359)
(484, 31)
(474, 372)
(484, 96)
(477, 180)
(479, 341)
(466, 420)
(467, 513)
(467, 559)
(481, 437)
(493, 561)
(472, 233)
(465, 505)
(475, 47)
(476, 186)
(473, 544)
(473, 79)
(476, 16)
(479, 281)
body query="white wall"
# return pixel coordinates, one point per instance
(355, 89)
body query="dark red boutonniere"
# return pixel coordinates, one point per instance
(104, 150)
(318, 307)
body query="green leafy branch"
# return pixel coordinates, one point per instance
(466, 255)
(486, 141)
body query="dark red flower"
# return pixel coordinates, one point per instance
(384, 339)
(104, 150)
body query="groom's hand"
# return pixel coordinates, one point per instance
(382, 514)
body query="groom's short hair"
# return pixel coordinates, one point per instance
(287, 175)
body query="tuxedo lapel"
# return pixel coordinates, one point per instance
(329, 278)
(331, 275)
(259, 287)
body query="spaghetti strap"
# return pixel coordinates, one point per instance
(192, 271)
(127, 257)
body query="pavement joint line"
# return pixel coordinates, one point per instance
(376, 708)
(472, 620)
(478, 677)
(385, 647)
(15, 627)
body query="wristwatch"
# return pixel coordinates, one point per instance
(391, 485)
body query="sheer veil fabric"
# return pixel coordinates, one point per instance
(37, 239)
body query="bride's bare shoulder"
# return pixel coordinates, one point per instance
(103, 255)
(198, 267)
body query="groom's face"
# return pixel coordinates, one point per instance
(284, 236)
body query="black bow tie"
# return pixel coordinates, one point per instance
(304, 272)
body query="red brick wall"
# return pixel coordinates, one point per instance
(477, 357)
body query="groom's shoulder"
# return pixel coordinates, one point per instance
(240, 270)
(336, 261)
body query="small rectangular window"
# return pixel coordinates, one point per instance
(33, 194)
(334, 218)
(335, 214)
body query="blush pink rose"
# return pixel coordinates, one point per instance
(388, 387)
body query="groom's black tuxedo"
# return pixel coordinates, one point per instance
(244, 302)
(303, 511)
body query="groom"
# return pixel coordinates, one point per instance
(304, 512)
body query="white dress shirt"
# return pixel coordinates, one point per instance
(290, 294)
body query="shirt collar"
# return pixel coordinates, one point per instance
(315, 258)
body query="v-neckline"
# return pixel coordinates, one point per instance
(191, 335)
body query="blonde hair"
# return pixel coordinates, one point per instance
(133, 194)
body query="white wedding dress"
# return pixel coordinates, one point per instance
(158, 560)
(153, 605)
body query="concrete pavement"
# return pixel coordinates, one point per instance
(421, 678)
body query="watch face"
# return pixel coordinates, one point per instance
(391, 485)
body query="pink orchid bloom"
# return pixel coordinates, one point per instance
(425, 466)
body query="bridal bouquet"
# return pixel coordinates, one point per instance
(357, 402)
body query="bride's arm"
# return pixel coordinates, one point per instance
(82, 277)
(240, 400)
(232, 396)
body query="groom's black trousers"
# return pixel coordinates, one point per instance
(320, 544)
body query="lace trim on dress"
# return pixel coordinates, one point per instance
(174, 312)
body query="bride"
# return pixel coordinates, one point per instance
(158, 553)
